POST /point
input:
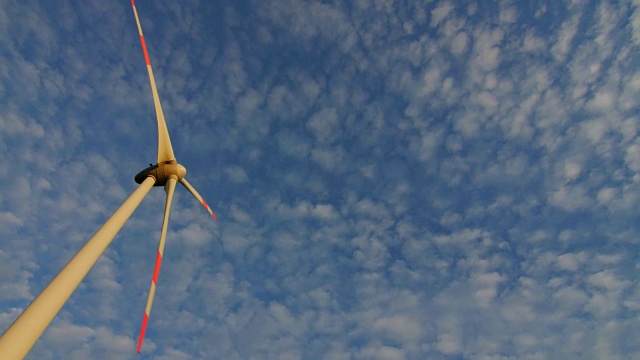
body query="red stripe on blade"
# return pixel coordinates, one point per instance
(156, 271)
(144, 50)
(143, 329)
(213, 215)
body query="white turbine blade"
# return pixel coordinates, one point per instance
(193, 191)
(169, 188)
(165, 151)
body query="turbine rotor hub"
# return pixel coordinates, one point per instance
(162, 172)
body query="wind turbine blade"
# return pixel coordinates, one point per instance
(165, 151)
(16, 342)
(193, 191)
(169, 188)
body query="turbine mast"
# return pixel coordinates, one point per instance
(16, 342)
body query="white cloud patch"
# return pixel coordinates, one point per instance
(236, 174)
(440, 12)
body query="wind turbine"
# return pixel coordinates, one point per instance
(20, 337)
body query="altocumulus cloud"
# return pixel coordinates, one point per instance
(394, 180)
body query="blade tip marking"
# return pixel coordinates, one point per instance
(143, 330)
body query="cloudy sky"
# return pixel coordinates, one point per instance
(393, 179)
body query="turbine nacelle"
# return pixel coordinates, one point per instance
(162, 172)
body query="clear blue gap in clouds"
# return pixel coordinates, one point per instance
(393, 180)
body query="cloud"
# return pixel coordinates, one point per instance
(236, 174)
(415, 180)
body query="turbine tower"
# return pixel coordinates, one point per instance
(20, 337)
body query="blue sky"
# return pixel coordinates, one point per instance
(394, 179)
